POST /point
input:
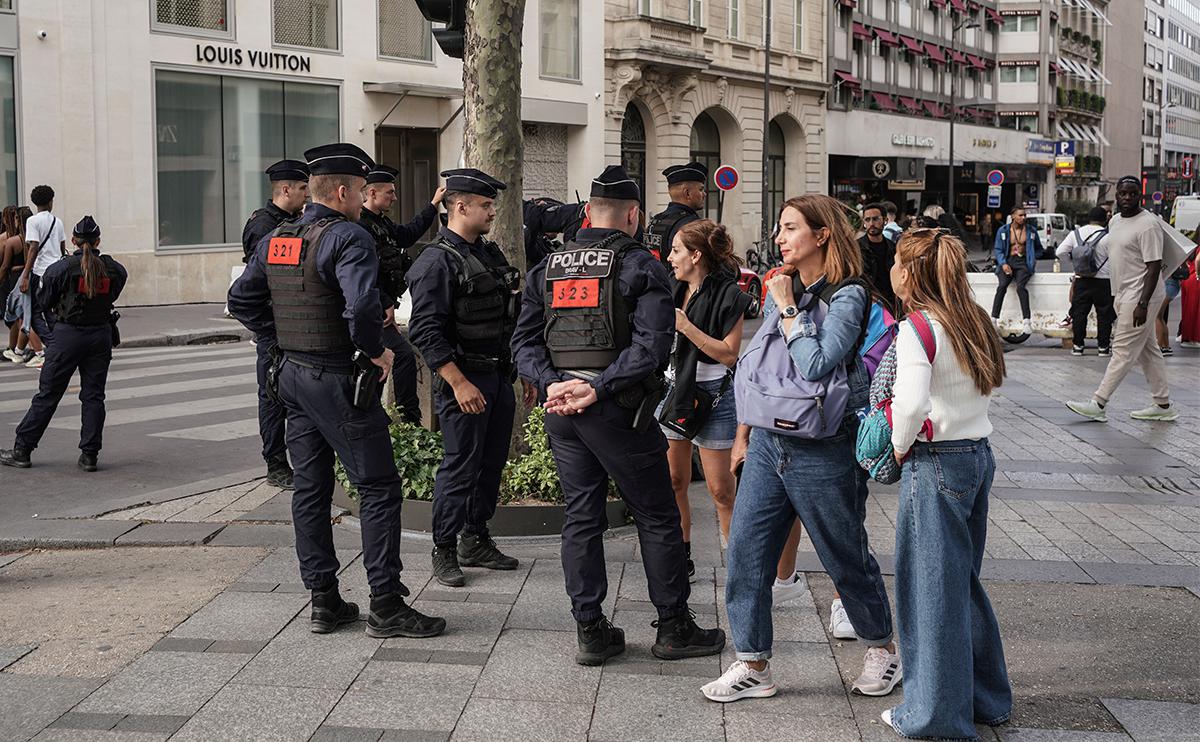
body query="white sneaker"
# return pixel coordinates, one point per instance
(11, 355)
(783, 591)
(37, 361)
(741, 681)
(887, 719)
(17, 357)
(881, 673)
(1154, 412)
(996, 323)
(839, 622)
(1189, 344)
(1089, 409)
(1027, 327)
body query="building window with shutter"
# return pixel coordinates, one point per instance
(308, 23)
(211, 17)
(560, 39)
(403, 31)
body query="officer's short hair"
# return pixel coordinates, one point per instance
(453, 197)
(42, 196)
(277, 186)
(611, 206)
(324, 187)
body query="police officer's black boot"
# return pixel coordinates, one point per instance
(87, 462)
(479, 550)
(17, 457)
(680, 637)
(445, 567)
(279, 473)
(598, 640)
(391, 616)
(329, 611)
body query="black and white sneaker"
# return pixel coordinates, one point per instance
(741, 681)
(1077, 350)
(881, 673)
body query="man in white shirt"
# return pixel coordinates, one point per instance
(1135, 246)
(1091, 286)
(47, 244)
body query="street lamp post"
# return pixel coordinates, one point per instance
(1162, 139)
(963, 23)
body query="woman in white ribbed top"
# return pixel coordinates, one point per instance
(954, 669)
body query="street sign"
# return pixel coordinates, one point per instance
(1031, 204)
(1064, 164)
(995, 178)
(1066, 148)
(993, 197)
(726, 177)
(1157, 197)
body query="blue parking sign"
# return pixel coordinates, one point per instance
(1066, 148)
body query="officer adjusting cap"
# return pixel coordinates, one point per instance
(615, 183)
(470, 180)
(382, 174)
(288, 170)
(87, 229)
(341, 158)
(693, 172)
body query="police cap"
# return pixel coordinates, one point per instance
(87, 229)
(382, 174)
(470, 180)
(615, 183)
(693, 172)
(339, 159)
(288, 170)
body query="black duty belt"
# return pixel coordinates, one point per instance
(347, 369)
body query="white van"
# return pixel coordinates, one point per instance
(1185, 214)
(1054, 228)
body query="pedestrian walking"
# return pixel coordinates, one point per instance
(594, 334)
(1016, 249)
(799, 387)
(1189, 290)
(954, 669)
(892, 229)
(463, 314)
(311, 286)
(45, 245)
(26, 345)
(687, 185)
(1091, 288)
(289, 192)
(1135, 249)
(78, 293)
(699, 407)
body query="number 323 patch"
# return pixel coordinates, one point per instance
(576, 293)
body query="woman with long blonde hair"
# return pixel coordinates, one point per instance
(955, 673)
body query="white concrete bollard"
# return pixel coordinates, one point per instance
(1049, 302)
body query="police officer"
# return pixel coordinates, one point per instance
(545, 217)
(463, 313)
(289, 191)
(687, 186)
(599, 363)
(79, 292)
(393, 242)
(311, 285)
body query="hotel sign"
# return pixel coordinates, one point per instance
(1041, 151)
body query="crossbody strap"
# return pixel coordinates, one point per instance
(920, 323)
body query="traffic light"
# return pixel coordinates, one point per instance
(453, 13)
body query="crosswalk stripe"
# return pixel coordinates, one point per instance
(165, 411)
(218, 432)
(182, 355)
(30, 383)
(137, 392)
(163, 349)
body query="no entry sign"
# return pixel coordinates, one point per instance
(995, 178)
(726, 177)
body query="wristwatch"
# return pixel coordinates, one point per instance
(789, 312)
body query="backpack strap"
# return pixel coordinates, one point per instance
(920, 323)
(829, 290)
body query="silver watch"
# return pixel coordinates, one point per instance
(789, 312)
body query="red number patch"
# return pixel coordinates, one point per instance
(102, 285)
(284, 251)
(574, 293)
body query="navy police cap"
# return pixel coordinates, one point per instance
(470, 180)
(341, 158)
(382, 174)
(87, 229)
(693, 172)
(615, 183)
(288, 170)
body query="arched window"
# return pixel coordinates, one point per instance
(706, 149)
(776, 168)
(633, 147)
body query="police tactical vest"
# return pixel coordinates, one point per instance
(74, 307)
(659, 230)
(587, 319)
(486, 304)
(394, 261)
(308, 314)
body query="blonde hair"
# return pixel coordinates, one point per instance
(843, 258)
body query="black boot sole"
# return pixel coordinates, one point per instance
(487, 565)
(592, 659)
(283, 485)
(459, 581)
(328, 626)
(16, 464)
(388, 632)
(682, 653)
(88, 468)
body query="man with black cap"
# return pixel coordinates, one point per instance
(596, 327)
(686, 184)
(463, 314)
(289, 191)
(311, 285)
(79, 292)
(393, 241)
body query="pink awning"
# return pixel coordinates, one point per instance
(959, 5)
(847, 79)
(994, 16)
(976, 62)
(957, 57)
(913, 45)
(887, 38)
(934, 109)
(935, 53)
(910, 103)
(884, 101)
(861, 31)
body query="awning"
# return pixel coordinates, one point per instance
(884, 101)
(910, 103)
(976, 62)
(935, 53)
(959, 5)
(850, 3)
(912, 45)
(861, 31)
(938, 3)
(1100, 135)
(994, 16)
(847, 79)
(533, 110)
(887, 38)
(1055, 68)
(934, 109)
(957, 57)
(1087, 5)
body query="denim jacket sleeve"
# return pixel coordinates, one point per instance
(1000, 247)
(816, 351)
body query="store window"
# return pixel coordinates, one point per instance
(216, 135)
(633, 147)
(706, 149)
(560, 39)
(8, 133)
(403, 31)
(308, 23)
(204, 15)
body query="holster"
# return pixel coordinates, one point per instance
(273, 369)
(116, 331)
(643, 399)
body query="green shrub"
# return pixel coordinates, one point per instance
(533, 476)
(418, 454)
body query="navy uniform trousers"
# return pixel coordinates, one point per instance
(468, 481)
(589, 448)
(271, 415)
(404, 374)
(322, 421)
(88, 349)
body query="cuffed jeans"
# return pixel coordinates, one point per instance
(820, 482)
(954, 670)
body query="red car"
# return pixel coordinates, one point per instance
(749, 282)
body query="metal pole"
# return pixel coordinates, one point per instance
(765, 229)
(950, 69)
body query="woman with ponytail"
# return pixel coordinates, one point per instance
(80, 292)
(954, 673)
(699, 407)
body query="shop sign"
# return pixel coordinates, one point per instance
(1186, 168)
(912, 140)
(1041, 151)
(254, 58)
(881, 169)
(1032, 204)
(985, 143)
(1064, 164)
(993, 197)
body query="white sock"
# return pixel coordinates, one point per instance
(789, 581)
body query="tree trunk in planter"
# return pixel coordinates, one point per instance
(492, 140)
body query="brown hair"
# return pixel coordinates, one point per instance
(843, 258)
(713, 243)
(93, 268)
(936, 262)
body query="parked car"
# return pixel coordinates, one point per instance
(749, 282)
(1054, 228)
(1185, 214)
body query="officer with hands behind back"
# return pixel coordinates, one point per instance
(311, 284)
(596, 327)
(463, 313)
(687, 186)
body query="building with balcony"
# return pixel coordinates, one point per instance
(685, 81)
(1171, 97)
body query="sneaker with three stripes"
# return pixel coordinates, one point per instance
(741, 681)
(881, 673)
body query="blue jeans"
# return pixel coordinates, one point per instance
(819, 481)
(954, 671)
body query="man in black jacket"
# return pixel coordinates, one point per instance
(879, 253)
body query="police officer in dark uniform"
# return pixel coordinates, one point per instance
(687, 186)
(595, 332)
(464, 304)
(310, 285)
(80, 292)
(544, 217)
(393, 242)
(289, 191)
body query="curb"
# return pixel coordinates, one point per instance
(233, 334)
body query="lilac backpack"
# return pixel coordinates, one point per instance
(772, 394)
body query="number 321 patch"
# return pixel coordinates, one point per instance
(284, 251)
(576, 293)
